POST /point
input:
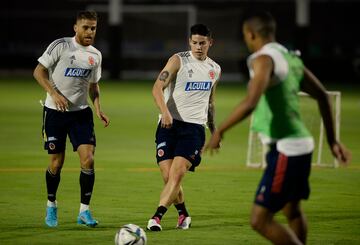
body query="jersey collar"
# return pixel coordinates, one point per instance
(78, 45)
(201, 61)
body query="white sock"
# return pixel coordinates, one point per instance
(83, 207)
(52, 204)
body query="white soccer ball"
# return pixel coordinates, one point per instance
(130, 234)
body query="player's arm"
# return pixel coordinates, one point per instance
(262, 67)
(315, 89)
(211, 109)
(41, 75)
(94, 94)
(164, 79)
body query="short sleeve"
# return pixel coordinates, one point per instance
(97, 71)
(52, 53)
(218, 72)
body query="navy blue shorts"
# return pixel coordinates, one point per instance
(182, 139)
(285, 179)
(79, 125)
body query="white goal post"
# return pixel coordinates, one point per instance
(256, 151)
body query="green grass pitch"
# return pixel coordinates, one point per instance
(218, 195)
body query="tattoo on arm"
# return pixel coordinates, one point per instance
(211, 115)
(163, 76)
(211, 112)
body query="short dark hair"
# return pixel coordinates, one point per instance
(261, 22)
(200, 29)
(89, 15)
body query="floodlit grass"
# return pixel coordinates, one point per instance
(218, 195)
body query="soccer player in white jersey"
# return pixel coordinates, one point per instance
(69, 71)
(277, 75)
(184, 93)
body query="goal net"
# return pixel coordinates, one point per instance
(311, 117)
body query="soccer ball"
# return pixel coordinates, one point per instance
(130, 234)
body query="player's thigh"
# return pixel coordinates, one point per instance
(260, 216)
(81, 129)
(292, 209)
(86, 155)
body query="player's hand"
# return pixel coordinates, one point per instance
(166, 120)
(341, 153)
(213, 144)
(60, 101)
(105, 119)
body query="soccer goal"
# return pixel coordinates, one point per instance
(322, 155)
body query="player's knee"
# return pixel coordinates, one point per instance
(175, 178)
(256, 223)
(166, 179)
(176, 173)
(292, 211)
(56, 165)
(293, 214)
(87, 161)
(55, 169)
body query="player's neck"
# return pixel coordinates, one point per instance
(78, 42)
(261, 43)
(202, 58)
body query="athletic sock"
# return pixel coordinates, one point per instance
(181, 209)
(161, 210)
(83, 207)
(51, 204)
(87, 179)
(52, 184)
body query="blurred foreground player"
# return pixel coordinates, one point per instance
(277, 76)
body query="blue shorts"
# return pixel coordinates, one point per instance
(182, 139)
(285, 179)
(79, 125)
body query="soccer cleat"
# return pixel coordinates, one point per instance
(184, 222)
(51, 216)
(85, 218)
(154, 224)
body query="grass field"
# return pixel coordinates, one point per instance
(219, 194)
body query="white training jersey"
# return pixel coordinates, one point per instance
(187, 97)
(71, 68)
